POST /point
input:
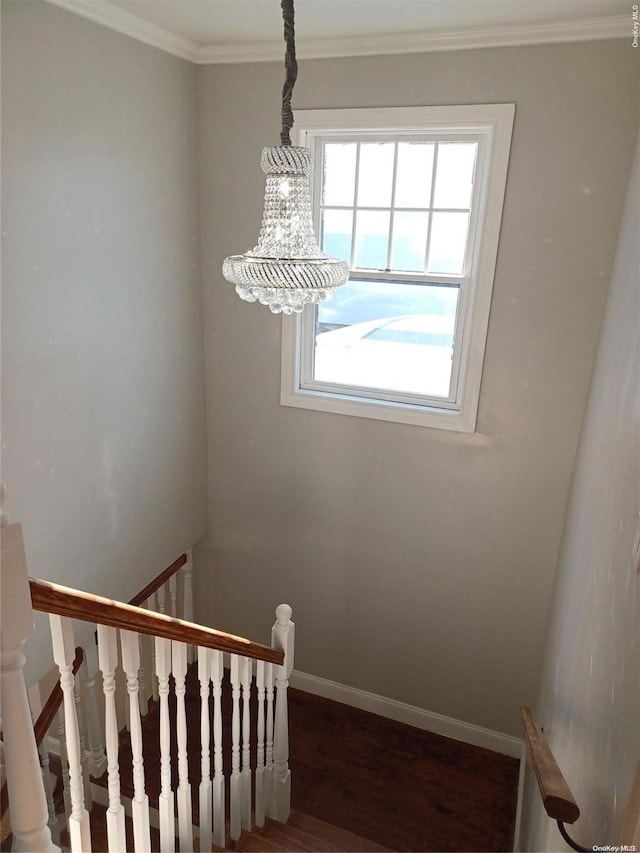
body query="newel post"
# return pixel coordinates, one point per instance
(27, 800)
(282, 637)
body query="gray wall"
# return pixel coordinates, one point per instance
(590, 692)
(419, 563)
(103, 428)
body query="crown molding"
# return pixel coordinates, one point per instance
(117, 19)
(505, 35)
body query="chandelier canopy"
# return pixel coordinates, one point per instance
(287, 269)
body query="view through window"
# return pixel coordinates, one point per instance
(398, 209)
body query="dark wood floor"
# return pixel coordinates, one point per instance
(399, 786)
(403, 788)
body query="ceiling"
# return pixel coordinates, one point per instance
(236, 30)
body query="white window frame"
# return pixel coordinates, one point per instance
(492, 124)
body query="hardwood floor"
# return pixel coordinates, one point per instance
(399, 787)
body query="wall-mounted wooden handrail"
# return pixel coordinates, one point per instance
(556, 797)
(156, 583)
(52, 598)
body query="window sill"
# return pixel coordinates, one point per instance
(380, 410)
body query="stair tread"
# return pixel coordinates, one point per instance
(303, 834)
(348, 840)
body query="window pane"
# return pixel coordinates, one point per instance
(387, 337)
(448, 243)
(372, 239)
(413, 175)
(409, 247)
(335, 237)
(454, 174)
(375, 174)
(339, 174)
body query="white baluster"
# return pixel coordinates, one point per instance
(245, 680)
(140, 804)
(268, 770)
(235, 822)
(260, 800)
(63, 655)
(166, 803)
(162, 598)
(205, 755)
(54, 826)
(64, 763)
(27, 797)
(173, 592)
(216, 671)
(95, 746)
(185, 819)
(187, 604)
(35, 704)
(282, 637)
(108, 661)
(84, 758)
(161, 594)
(127, 711)
(151, 605)
(142, 686)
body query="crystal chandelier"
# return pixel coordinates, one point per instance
(287, 269)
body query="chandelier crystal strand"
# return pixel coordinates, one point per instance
(287, 269)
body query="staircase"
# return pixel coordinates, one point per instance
(215, 791)
(303, 833)
(173, 736)
(300, 834)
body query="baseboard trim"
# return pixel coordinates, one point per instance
(408, 714)
(517, 832)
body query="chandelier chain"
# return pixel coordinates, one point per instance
(291, 67)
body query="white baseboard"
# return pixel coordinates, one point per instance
(521, 783)
(408, 714)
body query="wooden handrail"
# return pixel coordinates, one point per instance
(50, 707)
(52, 598)
(156, 583)
(556, 797)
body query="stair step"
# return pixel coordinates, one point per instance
(303, 834)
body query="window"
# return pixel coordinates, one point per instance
(411, 198)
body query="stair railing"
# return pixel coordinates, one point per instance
(558, 800)
(556, 797)
(171, 640)
(171, 591)
(175, 584)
